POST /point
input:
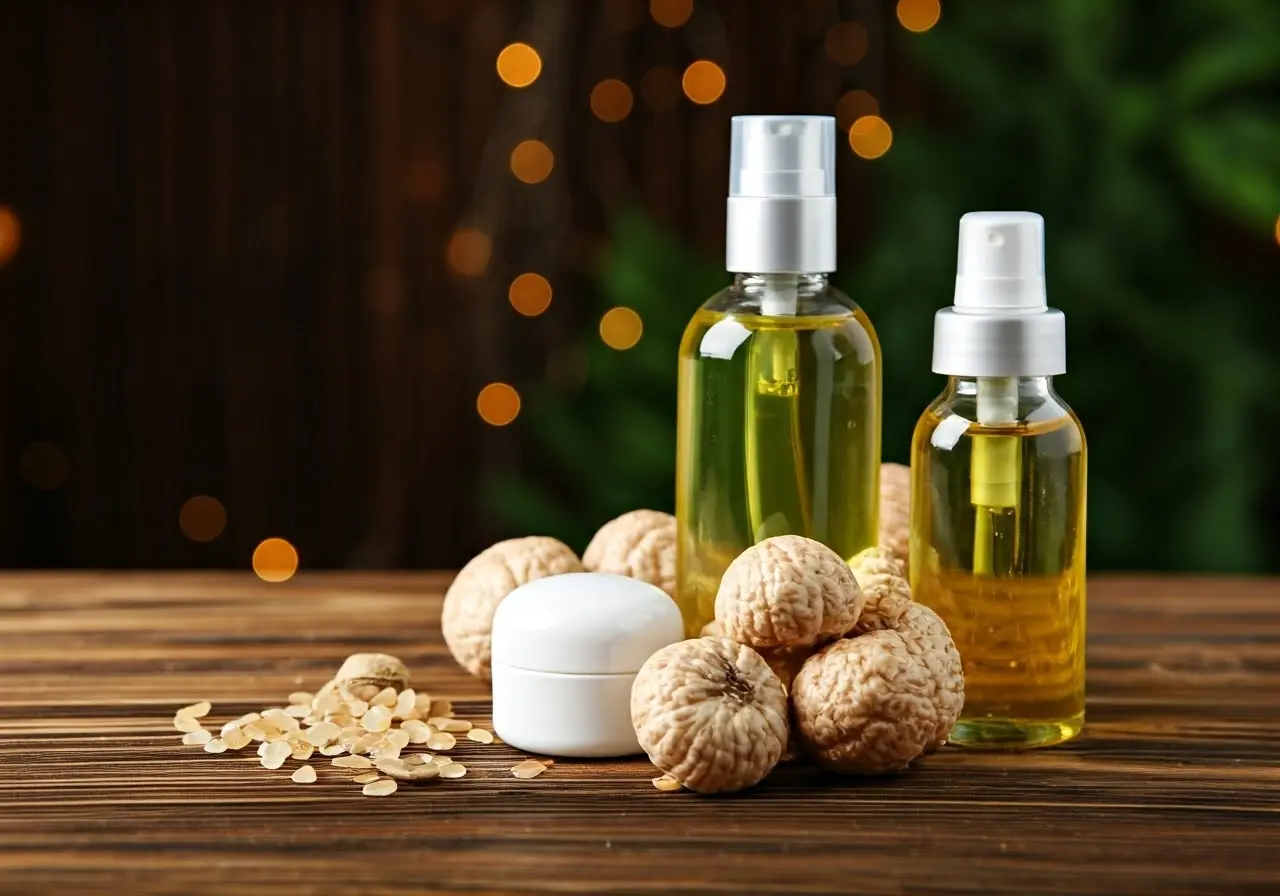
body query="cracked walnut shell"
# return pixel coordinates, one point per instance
(865, 705)
(710, 714)
(895, 510)
(787, 591)
(640, 544)
(485, 582)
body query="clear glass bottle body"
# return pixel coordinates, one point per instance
(778, 429)
(998, 550)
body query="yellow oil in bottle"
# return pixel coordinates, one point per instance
(998, 550)
(778, 432)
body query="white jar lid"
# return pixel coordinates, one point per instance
(585, 623)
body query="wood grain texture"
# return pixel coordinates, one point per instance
(1174, 787)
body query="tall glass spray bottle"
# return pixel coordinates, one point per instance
(998, 493)
(779, 407)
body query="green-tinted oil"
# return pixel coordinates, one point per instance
(1009, 581)
(779, 433)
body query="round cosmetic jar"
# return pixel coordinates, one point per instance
(566, 650)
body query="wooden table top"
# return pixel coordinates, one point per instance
(1173, 788)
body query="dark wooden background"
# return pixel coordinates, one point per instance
(232, 274)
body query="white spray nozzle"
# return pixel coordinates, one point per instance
(782, 156)
(1000, 263)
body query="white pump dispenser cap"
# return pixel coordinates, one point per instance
(782, 194)
(1001, 324)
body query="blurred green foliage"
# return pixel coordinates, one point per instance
(1148, 135)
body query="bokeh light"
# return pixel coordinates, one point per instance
(498, 404)
(530, 294)
(275, 560)
(43, 466)
(846, 43)
(660, 88)
(671, 13)
(621, 328)
(611, 100)
(202, 518)
(532, 161)
(10, 234)
(703, 82)
(468, 252)
(854, 105)
(919, 15)
(870, 136)
(1278, 229)
(519, 65)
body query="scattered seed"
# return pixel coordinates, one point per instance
(441, 708)
(297, 711)
(453, 770)
(239, 723)
(420, 735)
(348, 737)
(422, 702)
(438, 722)
(281, 719)
(302, 751)
(385, 787)
(304, 775)
(456, 726)
(326, 704)
(332, 750)
(217, 745)
(236, 739)
(417, 759)
(480, 736)
(412, 772)
(385, 697)
(365, 744)
(275, 754)
(530, 768)
(196, 710)
(187, 724)
(352, 762)
(322, 734)
(441, 740)
(300, 697)
(357, 708)
(377, 719)
(441, 760)
(197, 738)
(366, 778)
(667, 784)
(385, 751)
(413, 725)
(405, 703)
(262, 749)
(398, 739)
(386, 766)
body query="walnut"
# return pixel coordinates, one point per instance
(884, 588)
(865, 705)
(640, 544)
(484, 582)
(362, 675)
(895, 510)
(787, 591)
(710, 714)
(889, 607)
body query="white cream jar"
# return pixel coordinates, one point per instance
(566, 650)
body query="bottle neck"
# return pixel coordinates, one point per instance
(1024, 386)
(780, 295)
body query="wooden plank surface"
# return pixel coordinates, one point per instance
(1174, 788)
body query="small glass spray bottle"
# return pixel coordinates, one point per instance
(778, 427)
(998, 494)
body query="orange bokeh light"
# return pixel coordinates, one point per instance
(275, 560)
(10, 233)
(468, 252)
(854, 105)
(621, 328)
(519, 65)
(870, 136)
(611, 100)
(202, 518)
(703, 82)
(498, 404)
(532, 161)
(919, 15)
(530, 294)
(846, 43)
(671, 13)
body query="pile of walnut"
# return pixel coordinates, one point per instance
(873, 678)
